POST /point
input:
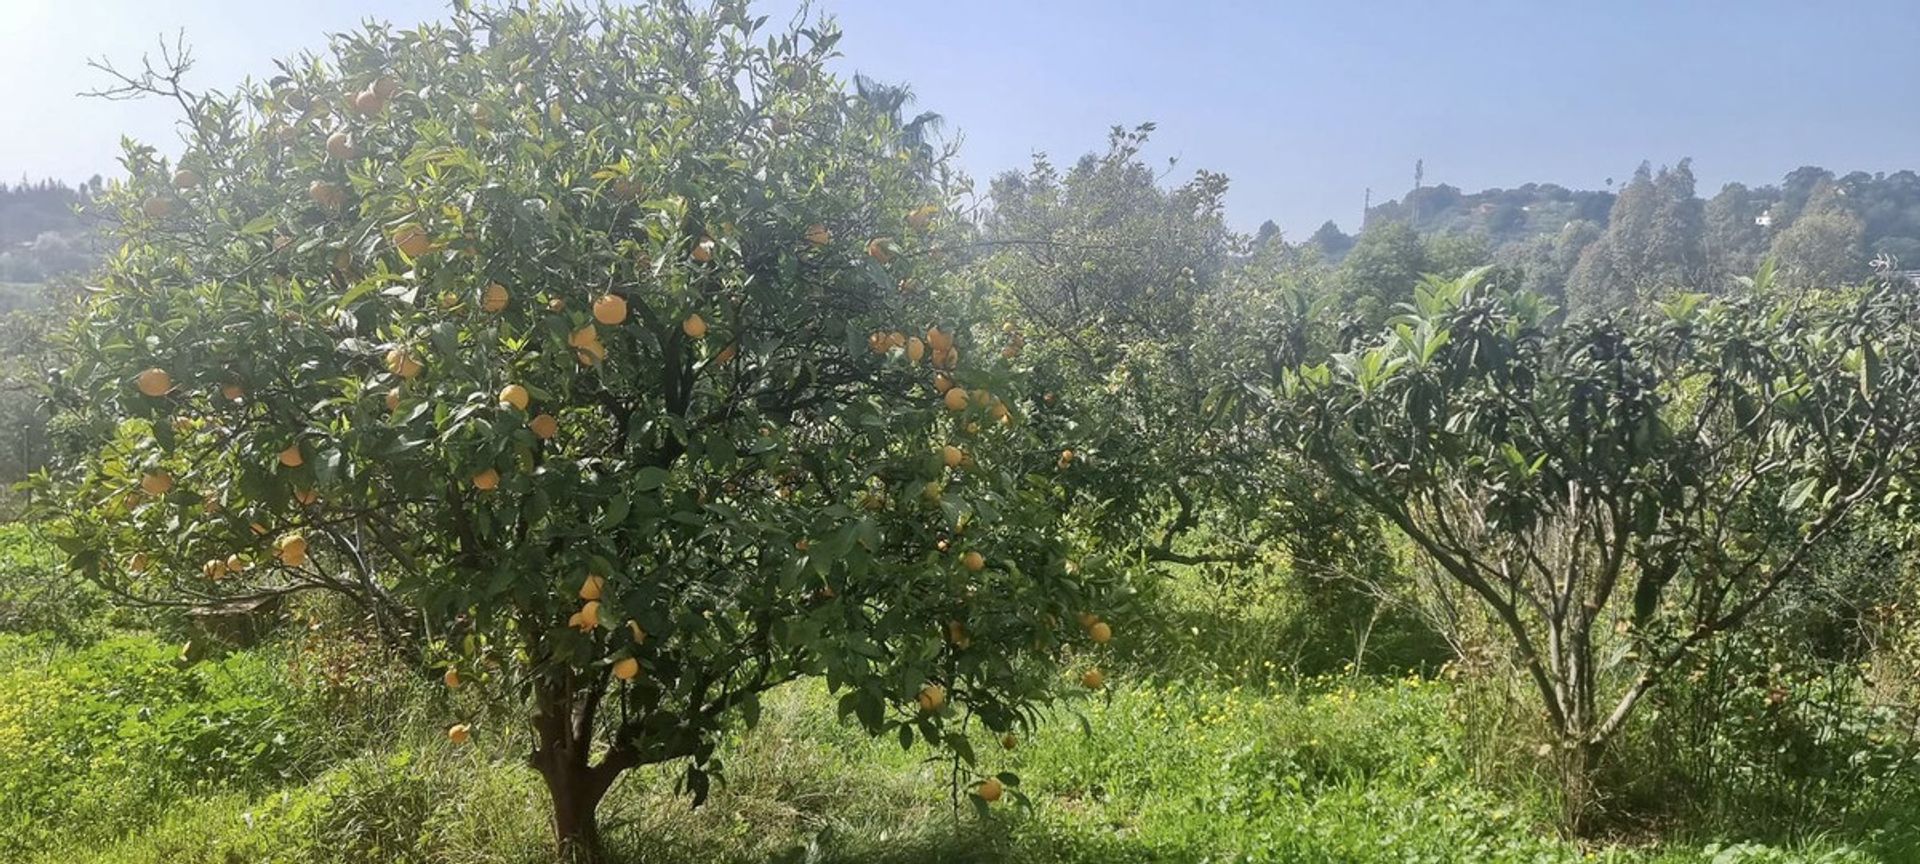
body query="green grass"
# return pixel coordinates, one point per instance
(1211, 746)
(1330, 770)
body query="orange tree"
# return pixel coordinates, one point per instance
(602, 353)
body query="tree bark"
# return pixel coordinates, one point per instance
(564, 727)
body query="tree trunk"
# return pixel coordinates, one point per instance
(576, 795)
(564, 726)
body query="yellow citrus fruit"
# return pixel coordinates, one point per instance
(385, 86)
(592, 587)
(340, 146)
(973, 561)
(990, 790)
(305, 497)
(393, 399)
(368, 103)
(941, 382)
(931, 698)
(186, 178)
(544, 427)
(452, 678)
(694, 326)
(514, 395)
(412, 240)
(626, 668)
(493, 298)
(956, 399)
(156, 482)
(952, 456)
(459, 733)
(292, 457)
(916, 349)
(402, 363)
(940, 339)
(921, 217)
(610, 309)
(327, 195)
(818, 235)
(487, 480)
(1101, 632)
(291, 550)
(153, 382)
(157, 208)
(1092, 679)
(587, 618)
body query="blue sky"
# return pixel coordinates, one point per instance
(1303, 105)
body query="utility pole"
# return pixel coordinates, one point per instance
(1413, 198)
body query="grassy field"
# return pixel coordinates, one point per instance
(318, 750)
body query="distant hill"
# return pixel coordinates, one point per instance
(1740, 225)
(42, 235)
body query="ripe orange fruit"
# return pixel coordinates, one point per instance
(292, 457)
(556, 305)
(340, 146)
(544, 427)
(956, 399)
(639, 635)
(1101, 632)
(138, 563)
(393, 399)
(726, 355)
(877, 342)
(880, 249)
(156, 482)
(1092, 679)
(592, 588)
(990, 790)
(1008, 741)
(973, 561)
(153, 382)
(941, 382)
(367, 103)
(931, 698)
(610, 309)
(157, 208)
(514, 395)
(694, 326)
(952, 456)
(626, 668)
(385, 86)
(452, 678)
(305, 497)
(186, 178)
(401, 362)
(587, 618)
(412, 240)
(291, 550)
(493, 298)
(818, 235)
(916, 349)
(233, 392)
(939, 339)
(703, 250)
(487, 480)
(920, 218)
(459, 734)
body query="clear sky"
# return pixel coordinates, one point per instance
(1303, 104)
